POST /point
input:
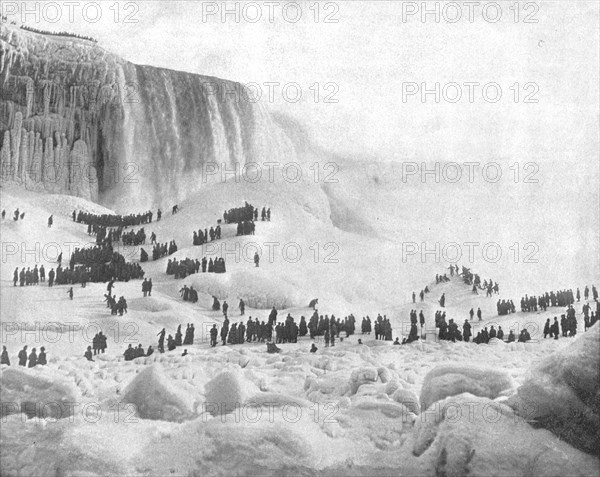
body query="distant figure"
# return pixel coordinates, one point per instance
(242, 307)
(256, 259)
(443, 300)
(50, 221)
(213, 336)
(23, 356)
(313, 303)
(41, 360)
(88, 354)
(16, 215)
(70, 293)
(360, 341)
(184, 352)
(479, 314)
(397, 342)
(32, 358)
(4, 359)
(313, 348)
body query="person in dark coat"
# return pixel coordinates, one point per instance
(32, 358)
(23, 356)
(88, 354)
(41, 360)
(554, 328)
(547, 328)
(213, 336)
(467, 331)
(129, 353)
(313, 348)
(4, 359)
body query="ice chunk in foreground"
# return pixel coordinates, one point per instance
(37, 392)
(156, 397)
(452, 380)
(563, 393)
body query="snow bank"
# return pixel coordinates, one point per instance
(469, 435)
(39, 392)
(563, 393)
(451, 380)
(156, 397)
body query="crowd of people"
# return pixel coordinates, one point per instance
(28, 360)
(505, 307)
(16, 215)
(247, 213)
(114, 220)
(560, 298)
(200, 237)
(117, 307)
(188, 266)
(159, 250)
(189, 294)
(178, 340)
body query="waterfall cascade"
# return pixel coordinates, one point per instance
(76, 119)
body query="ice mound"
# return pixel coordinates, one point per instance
(156, 397)
(469, 435)
(37, 392)
(225, 392)
(562, 393)
(451, 380)
(362, 376)
(408, 399)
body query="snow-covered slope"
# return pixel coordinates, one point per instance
(346, 410)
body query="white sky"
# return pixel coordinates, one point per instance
(369, 53)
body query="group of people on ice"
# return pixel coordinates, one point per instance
(188, 266)
(16, 215)
(114, 220)
(178, 340)
(30, 361)
(560, 298)
(247, 213)
(200, 237)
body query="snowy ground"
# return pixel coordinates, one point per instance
(336, 412)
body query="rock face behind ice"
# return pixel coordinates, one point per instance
(37, 392)
(156, 397)
(563, 393)
(452, 380)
